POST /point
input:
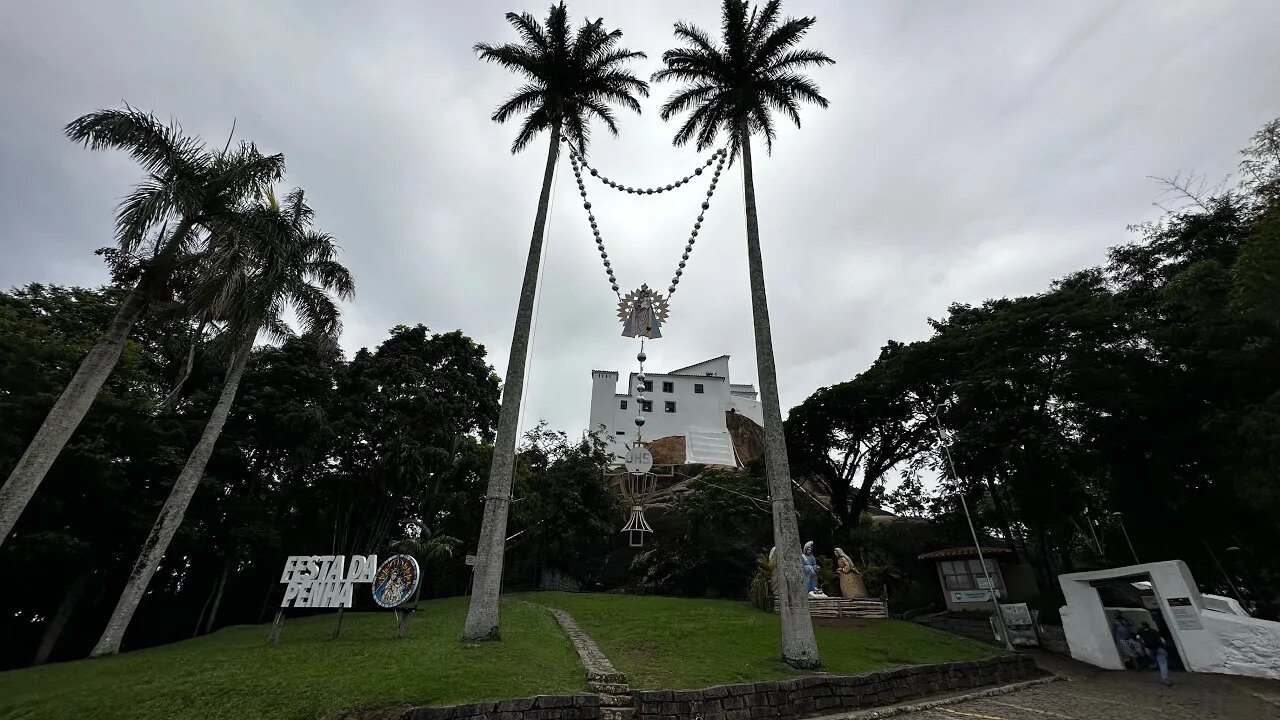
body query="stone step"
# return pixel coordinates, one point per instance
(606, 677)
(611, 688)
(617, 713)
(608, 700)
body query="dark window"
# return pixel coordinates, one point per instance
(646, 406)
(621, 432)
(648, 386)
(668, 387)
(967, 574)
(697, 388)
(671, 407)
(622, 405)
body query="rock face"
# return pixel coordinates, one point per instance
(748, 437)
(668, 451)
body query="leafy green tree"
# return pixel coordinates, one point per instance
(270, 262)
(849, 437)
(73, 532)
(570, 79)
(736, 87)
(185, 183)
(566, 505)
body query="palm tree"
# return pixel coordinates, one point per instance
(570, 78)
(270, 259)
(736, 87)
(185, 184)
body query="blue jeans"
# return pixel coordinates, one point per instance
(1162, 663)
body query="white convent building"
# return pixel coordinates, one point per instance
(690, 402)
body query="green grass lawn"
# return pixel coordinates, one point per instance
(233, 674)
(659, 642)
(675, 643)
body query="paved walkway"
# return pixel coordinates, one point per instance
(1090, 693)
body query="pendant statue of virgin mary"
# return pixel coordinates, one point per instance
(642, 313)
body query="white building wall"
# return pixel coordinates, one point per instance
(697, 411)
(1224, 643)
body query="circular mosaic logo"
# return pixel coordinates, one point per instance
(396, 580)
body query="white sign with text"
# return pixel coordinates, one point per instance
(324, 581)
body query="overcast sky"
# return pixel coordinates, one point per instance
(971, 150)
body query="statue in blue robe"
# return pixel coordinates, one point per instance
(810, 567)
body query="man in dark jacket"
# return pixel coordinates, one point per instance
(1156, 645)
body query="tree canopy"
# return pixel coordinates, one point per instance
(1142, 391)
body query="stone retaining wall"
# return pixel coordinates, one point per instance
(543, 707)
(825, 694)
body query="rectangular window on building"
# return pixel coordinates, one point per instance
(671, 407)
(648, 386)
(622, 405)
(697, 388)
(646, 406)
(668, 387)
(967, 574)
(621, 432)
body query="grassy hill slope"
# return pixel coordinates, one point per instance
(234, 674)
(677, 643)
(659, 642)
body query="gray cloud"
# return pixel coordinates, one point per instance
(972, 150)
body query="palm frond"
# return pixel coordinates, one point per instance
(736, 86)
(697, 37)
(526, 98)
(146, 206)
(797, 59)
(571, 76)
(763, 22)
(785, 37)
(602, 111)
(157, 147)
(514, 58)
(683, 99)
(534, 123)
(242, 174)
(530, 31)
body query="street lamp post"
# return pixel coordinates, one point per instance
(1120, 516)
(991, 586)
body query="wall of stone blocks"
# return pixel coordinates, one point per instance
(543, 707)
(826, 694)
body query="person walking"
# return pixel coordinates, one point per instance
(1156, 645)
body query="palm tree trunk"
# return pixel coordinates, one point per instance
(78, 396)
(482, 615)
(175, 507)
(58, 622)
(172, 399)
(217, 596)
(799, 646)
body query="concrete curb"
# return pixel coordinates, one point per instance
(878, 714)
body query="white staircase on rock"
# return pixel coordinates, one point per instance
(709, 447)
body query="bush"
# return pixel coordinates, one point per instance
(762, 590)
(828, 580)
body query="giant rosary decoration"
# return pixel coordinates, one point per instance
(643, 312)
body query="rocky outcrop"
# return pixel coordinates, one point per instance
(747, 436)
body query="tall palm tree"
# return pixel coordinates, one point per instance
(735, 87)
(570, 78)
(270, 259)
(186, 184)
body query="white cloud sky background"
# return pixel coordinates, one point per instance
(972, 150)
